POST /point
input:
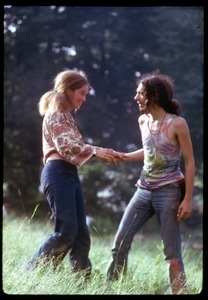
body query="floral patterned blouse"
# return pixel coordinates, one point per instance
(60, 134)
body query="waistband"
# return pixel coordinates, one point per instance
(60, 162)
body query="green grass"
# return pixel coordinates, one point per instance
(147, 271)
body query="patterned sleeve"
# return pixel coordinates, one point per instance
(61, 133)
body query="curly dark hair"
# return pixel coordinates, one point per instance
(159, 90)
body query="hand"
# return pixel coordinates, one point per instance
(119, 156)
(109, 155)
(184, 210)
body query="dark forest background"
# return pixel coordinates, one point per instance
(114, 46)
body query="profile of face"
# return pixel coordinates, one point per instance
(141, 98)
(77, 97)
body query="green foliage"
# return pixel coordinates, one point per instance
(112, 45)
(147, 270)
(107, 188)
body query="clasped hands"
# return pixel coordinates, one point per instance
(110, 156)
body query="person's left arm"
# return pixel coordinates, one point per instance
(184, 139)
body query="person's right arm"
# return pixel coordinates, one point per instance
(60, 134)
(137, 155)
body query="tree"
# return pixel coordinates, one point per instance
(114, 46)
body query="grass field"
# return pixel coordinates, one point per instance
(147, 271)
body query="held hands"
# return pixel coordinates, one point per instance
(110, 156)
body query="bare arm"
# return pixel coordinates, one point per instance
(184, 139)
(116, 157)
(137, 155)
(109, 155)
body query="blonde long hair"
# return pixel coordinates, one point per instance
(57, 99)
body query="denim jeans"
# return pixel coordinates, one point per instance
(62, 188)
(163, 202)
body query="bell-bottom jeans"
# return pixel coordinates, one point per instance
(61, 186)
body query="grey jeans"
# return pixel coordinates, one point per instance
(163, 202)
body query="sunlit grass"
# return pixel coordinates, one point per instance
(147, 270)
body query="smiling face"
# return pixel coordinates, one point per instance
(141, 98)
(77, 97)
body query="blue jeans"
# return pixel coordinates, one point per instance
(163, 202)
(62, 188)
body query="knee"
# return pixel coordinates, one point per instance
(65, 238)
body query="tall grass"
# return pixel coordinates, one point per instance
(147, 271)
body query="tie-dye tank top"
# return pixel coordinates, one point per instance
(161, 159)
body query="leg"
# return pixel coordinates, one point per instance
(138, 211)
(79, 253)
(166, 202)
(58, 181)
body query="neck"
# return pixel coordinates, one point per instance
(155, 124)
(157, 115)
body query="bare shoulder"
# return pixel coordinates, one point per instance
(142, 119)
(179, 122)
(178, 131)
(179, 125)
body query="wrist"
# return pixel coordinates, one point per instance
(94, 152)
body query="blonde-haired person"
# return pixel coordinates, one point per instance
(63, 152)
